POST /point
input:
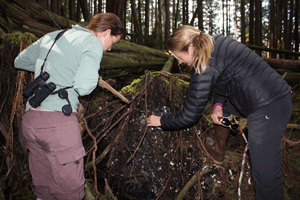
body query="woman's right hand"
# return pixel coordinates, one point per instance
(217, 115)
(153, 120)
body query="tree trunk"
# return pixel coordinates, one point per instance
(243, 40)
(296, 27)
(85, 10)
(272, 40)
(223, 18)
(251, 24)
(200, 14)
(258, 26)
(167, 20)
(147, 14)
(177, 13)
(72, 8)
(279, 27)
(137, 28)
(28, 16)
(291, 65)
(53, 6)
(132, 57)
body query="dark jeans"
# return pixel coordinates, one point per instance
(266, 127)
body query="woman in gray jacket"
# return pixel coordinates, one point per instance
(65, 68)
(244, 85)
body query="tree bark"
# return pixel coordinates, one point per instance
(28, 16)
(291, 65)
(251, 22)
(200, 14)
(296, 27)
(258, 24)
(243, 39)
(132, 57)
(167, 20)
(85, 10)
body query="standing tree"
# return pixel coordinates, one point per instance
(258, 26)
(296, 34)
(251, 22)
(167, 20)
(147, 19)
(271, 37)
(200, 14)
(243, 39)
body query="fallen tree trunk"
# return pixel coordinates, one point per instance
(291, 78)
(291, 65)
(28, 16)
(132, 57)
(273, 50)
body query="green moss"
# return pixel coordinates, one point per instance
(17, 37)
(231, 155)
(136, 86)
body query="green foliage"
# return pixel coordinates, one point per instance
(234, 156)
(133, 88)
(178, 85)
(17, 37)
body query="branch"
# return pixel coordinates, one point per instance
(290, 142)
(105, 85)
(191, 182)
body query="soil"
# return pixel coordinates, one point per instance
(150, 163)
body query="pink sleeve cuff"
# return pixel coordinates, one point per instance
(218, 104)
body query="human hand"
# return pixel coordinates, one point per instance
(153, 120)
(217, 115)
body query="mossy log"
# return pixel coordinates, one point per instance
(131, 57)
(291, 78)
(28, 16)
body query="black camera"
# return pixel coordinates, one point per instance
(40, 89)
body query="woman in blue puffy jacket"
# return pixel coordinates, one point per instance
(244, 85)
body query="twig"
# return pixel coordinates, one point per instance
(181, 75)
(191, 182)
(106, 150)
(243, 165)
(207, 153)
(112, 126)
(164, 187)
(145, 86)
(7, 92)
(137, 146)
(295, 126)
(290, 142)
(94, 155)
(105, 85)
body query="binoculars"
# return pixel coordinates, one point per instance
(40, 89)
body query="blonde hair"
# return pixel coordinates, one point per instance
(203, 45)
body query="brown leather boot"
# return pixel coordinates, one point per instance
(216, 146)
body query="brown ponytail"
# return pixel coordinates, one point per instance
(103, 21)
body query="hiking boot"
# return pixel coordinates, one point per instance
(216, 146)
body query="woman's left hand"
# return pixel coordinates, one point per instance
(153, 120)
(217, 115)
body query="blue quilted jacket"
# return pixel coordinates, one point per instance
(235, 74)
